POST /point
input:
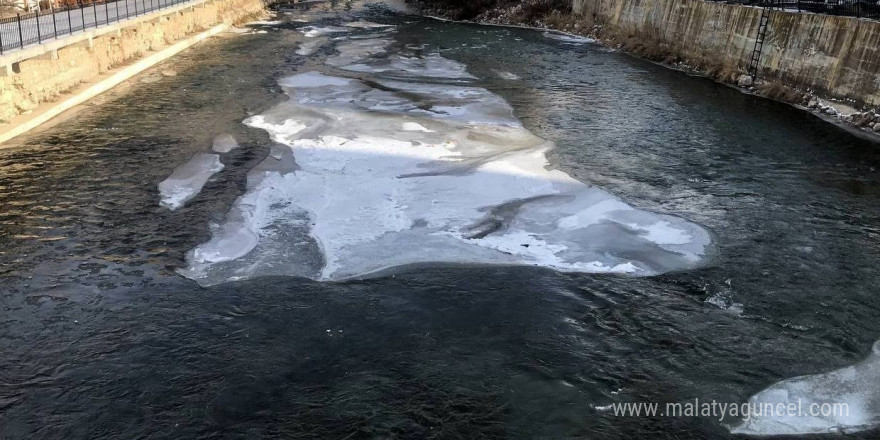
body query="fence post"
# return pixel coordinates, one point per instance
(20, 36)
(126, 9)
(95, 12)
(106, 13)
(54, 22)
(39, 34)
(1, 43)
(82, 13)
(858, 9)
(69, 22)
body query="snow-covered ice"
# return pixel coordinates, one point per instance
(187, 180)
(407, 162)
(857, 387)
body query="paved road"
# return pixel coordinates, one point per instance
(73, 21)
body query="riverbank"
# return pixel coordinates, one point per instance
(38, 87)
(822, 64)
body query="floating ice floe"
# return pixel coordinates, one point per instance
(568, 38)
(187, 180)
(842, 401)
(314, 31)
(224, 143)
(309, 47)
(409, 163)
(506, 75)
(367, 25)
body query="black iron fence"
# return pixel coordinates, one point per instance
(36, 27)
(852, 8)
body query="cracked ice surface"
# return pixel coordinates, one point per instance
(411, 163)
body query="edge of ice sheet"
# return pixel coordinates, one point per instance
(187, 180)
(857, 386)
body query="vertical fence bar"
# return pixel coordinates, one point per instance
(20, 35)
(54, 22)
(106, 13)
(1, 39)
(82, 13)
(95, 12)
(39, 34)
(69, 22)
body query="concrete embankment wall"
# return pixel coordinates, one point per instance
(834, 57)
(44, 74)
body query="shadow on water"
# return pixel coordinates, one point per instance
(100, 338)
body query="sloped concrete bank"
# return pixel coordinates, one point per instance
(827, 63)
(39, 83)
(833, 57)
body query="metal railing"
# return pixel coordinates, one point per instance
(37, 27)
(852, 8)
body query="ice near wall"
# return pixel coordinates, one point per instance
(385, 158)
(841, 401)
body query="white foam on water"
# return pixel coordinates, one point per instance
(394, 168)
(568, 38)
(187, 180)
(856, 386)
(224, 143)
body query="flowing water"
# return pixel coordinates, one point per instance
(370, 225)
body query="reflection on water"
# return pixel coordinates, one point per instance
(101, 338)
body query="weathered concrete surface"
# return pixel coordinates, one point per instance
(69, 63)
(835, 57)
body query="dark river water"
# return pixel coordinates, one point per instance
(102, 338)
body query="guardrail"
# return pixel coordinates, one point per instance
(37, 27)
(851, 8)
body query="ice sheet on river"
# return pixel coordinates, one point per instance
(857, 387)
(187, 180)
(409, 162)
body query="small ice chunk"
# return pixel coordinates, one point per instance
(366, 25)
(312, 79)
(312, 31)
(506, 75)
(415, 126)
(841, 401)
(224, 143)
(310, 46)
(568, 38)
(188, 179)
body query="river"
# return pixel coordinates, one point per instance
(370, 225)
